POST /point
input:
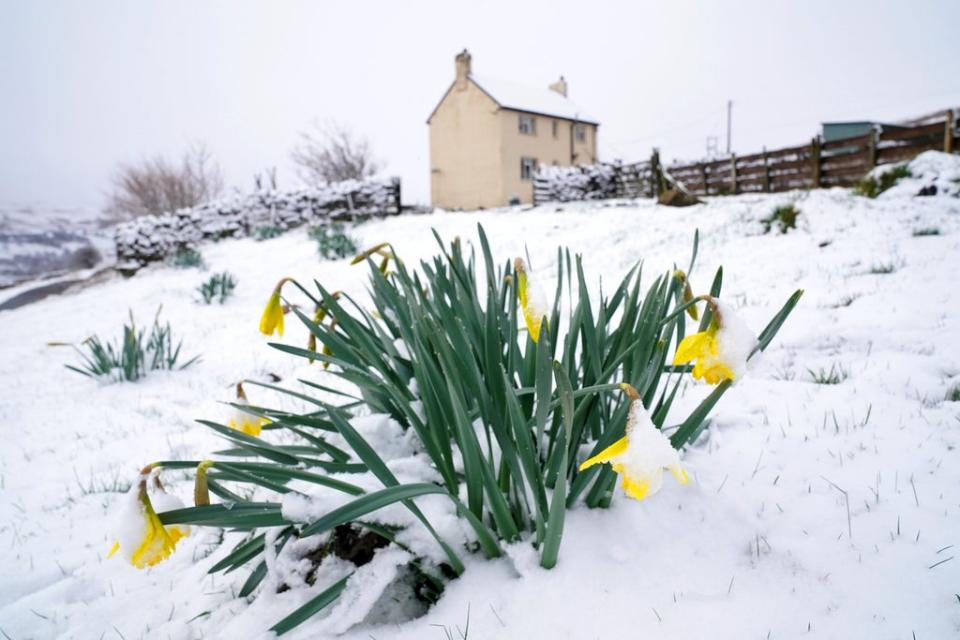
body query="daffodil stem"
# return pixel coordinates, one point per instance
(305, 292)
(679, 311)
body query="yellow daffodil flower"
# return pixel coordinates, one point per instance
(272, 318)
(641, 455)
(144, 540)
(720, 352)
(244, 421)
(532, 300)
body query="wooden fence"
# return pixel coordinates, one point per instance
(838, 163)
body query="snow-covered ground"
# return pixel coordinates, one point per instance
(822, 511)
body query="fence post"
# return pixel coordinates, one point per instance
(733, 174)
(766, 172)
(872, 149)
(396, 195)
(655, 173)
(948, 132)
(815, 162)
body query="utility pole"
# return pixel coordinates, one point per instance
(729, 117)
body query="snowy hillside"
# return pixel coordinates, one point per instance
(44, 242)
(814, 510)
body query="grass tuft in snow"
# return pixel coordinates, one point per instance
(845, 301)
(186, 258)
(926, 231)
(783, 219)
(953, 395)
(218, 287)
(873, 185)
(503, 416)
(266, 233)
(333, 242)
(884, 268)
(132, 356)
(835, 375)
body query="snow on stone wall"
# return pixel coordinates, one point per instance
(152, 238)
(567, 184)
(593, 182)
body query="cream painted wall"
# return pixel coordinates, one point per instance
(546, 148)
(465, 156)
(476, 150)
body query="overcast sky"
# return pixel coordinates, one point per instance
(87, 85)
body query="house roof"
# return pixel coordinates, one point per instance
(548, 102)
(518, 97)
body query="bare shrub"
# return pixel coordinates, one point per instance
(330, 152)
(157, 185)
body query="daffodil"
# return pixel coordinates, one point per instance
(720, 352)
(687, 293)
(272, 318)
(143, 540)
(245, 421)
(641, 455)
(533, 302)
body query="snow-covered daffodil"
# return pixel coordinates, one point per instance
(533, 302)
(142, 539)
(272, 318)
(641, 455)
(720, 352)
(245, 421)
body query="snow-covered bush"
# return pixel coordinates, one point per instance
(186, 258)
(152, 238)
(501, 391)
(333, 242)
(782, 219)
(879, 180)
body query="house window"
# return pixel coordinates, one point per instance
(528, 167)
(556, 129)
(581, 133)
(528, 126)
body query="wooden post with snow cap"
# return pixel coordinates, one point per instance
(948, 132)
(815, 162)
(733, 174)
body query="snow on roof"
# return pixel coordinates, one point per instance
(523, 98)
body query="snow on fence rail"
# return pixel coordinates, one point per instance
(152, 238)
(838, 163)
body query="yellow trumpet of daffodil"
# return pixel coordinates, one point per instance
(641, 455)
(272, 318)
(533, 302)
(244, 421)
(143, 539)
(720, 352)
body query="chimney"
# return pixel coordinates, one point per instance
(463, 69)
(560, 86)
